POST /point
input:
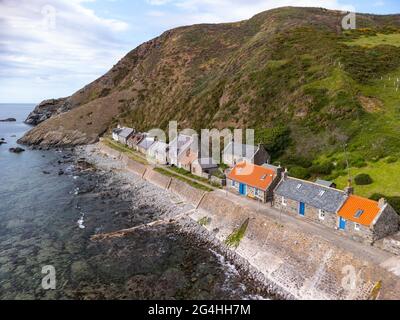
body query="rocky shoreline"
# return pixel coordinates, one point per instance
(183, 225)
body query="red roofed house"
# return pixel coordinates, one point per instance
(256, 182)
(367, 220)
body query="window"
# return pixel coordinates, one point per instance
(359, 213)
(321, 193)
(284, 203)
(356, 227)
(233, 183)
(299, 186)
(322, 214)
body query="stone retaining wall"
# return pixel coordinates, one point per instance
(135, 167)
(186, 192)
(305, 265)
(110, 151)
(157, 178)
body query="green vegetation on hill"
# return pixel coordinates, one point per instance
(307, 88)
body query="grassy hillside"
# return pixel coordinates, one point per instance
(307, 87)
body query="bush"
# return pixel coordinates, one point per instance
(363, 179)
(297, 161)
(391, 159)
(299, 173)
(324, 168)
(276, 140)
(359, 163)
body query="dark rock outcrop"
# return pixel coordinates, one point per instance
(47, 109)
(8, 120)
(16, 150)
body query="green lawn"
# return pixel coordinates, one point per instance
(124, 149)
(189, 182)
(373, 135)
(188, 174)
(373, 41)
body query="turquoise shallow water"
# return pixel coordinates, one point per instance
(38, 227)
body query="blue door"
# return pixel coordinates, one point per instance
(242, 189)
(302, 209)
(342, 224)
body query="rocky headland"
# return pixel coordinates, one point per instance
(47, 109)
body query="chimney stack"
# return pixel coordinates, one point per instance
(285, 174)
(382, 203)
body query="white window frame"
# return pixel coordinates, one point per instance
(357, 227)
(322, 214)
(283, 200)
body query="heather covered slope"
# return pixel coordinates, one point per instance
(306, 86)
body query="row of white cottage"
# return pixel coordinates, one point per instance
(180, 152)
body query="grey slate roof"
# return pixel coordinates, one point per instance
(324, 183)
(159, 146)
(179, 144)
(241, 150)
(310, 193)
(146, 143)
(126, 132)
(207, 163)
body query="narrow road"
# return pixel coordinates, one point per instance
(187, 178)
(370, 253)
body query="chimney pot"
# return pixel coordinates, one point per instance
(382, 203)
(285, 174)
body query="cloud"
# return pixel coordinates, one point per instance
(53, 48)
(216, 11)
(42, 44)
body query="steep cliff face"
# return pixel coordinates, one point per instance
(292, 70)
(46, 109)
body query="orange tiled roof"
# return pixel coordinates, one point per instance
(252, 175)
(354, 204)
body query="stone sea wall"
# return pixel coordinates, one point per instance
(157, 178)
(305, 265)
(183, 190)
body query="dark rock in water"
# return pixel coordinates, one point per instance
(8, 120)
(60, 172)
(2, 142)
(46, 172)
(47, 109)
(16, 150)
(13, 136)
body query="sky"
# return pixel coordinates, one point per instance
(52, 48)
